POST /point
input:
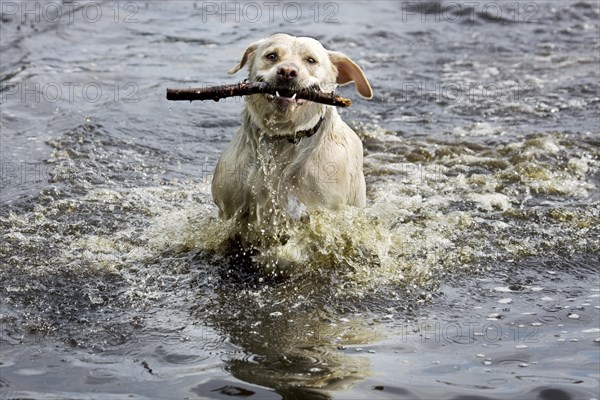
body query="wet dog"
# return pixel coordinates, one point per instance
(291, 156)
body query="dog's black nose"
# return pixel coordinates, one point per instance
(287, 72)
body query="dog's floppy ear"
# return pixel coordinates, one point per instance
(348, 72)
(247, 54)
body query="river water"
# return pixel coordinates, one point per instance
(472, 273)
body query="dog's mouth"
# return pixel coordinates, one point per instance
(287, 95)
(284, 99)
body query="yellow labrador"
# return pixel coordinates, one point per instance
(291, 156)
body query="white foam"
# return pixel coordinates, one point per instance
(490, 201)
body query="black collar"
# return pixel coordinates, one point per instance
(305, 134)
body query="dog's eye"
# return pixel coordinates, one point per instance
(311, 60)
(271, 56)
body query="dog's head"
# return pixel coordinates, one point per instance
(295, 63)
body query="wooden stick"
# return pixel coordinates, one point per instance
(249, 88)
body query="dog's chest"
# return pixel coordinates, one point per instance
(276, 166)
